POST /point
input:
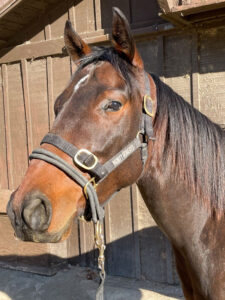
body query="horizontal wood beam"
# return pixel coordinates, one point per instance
(171, 6)
(8, 5)
(198, 7)
(40, 49)
(56, 46)
(4, 198)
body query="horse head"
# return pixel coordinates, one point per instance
(100, 112)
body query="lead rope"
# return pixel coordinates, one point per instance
(99, 242)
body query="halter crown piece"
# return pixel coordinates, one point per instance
(88, 162)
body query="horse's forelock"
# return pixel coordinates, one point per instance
(118, 61)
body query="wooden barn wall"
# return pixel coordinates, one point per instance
(191, 63)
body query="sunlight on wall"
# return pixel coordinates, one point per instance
(4, 296)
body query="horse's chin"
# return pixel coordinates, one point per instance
(46, 237)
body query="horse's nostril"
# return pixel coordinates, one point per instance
(37, 213)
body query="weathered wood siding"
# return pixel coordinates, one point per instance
(34, 73)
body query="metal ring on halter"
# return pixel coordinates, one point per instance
(140, 132)
(147, 97)
(92, 180)
(82, 218)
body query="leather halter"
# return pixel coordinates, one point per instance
(88, 162)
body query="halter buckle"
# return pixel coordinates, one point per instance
(81, 164)
(147, 97)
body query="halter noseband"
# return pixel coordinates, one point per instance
(88, 162)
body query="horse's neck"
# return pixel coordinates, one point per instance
(172, 206)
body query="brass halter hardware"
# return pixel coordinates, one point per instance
(99, 243)
(91, 181)
(79, 163)
(147, 97)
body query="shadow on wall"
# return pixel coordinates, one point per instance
(135, 11)
(151, 259)
(144, 254)
(178, 54)
(39, 22)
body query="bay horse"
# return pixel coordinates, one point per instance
(180, 172)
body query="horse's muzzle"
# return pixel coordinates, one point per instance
(33, 218)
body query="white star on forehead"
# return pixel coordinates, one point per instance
(82, 80)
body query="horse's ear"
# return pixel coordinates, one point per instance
(75, 46)
(123, 40)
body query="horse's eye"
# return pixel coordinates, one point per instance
(112, 106)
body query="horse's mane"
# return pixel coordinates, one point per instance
(194, 147)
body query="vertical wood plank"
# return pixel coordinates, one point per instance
(73, 244)
(149, 52)
(50, 91)
(18, 132)
(3, 149)
(178, 64)
(195, 100)
(171, 275)
(160, 42)
(61, 74)
(7, 126)
(81, 17)
(135, 211)
(212, 74)
(72, 16)
(82, 243)
(87, 248)
(107, 224)
(27, 105)
(58, 20)
(90, 16)
(8, 243)
(48, 33)
(106, 12)
(98, 17)
(120, 246)
(144, 13)
(152, 245)
(38, 99)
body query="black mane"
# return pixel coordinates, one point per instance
(194, 146)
